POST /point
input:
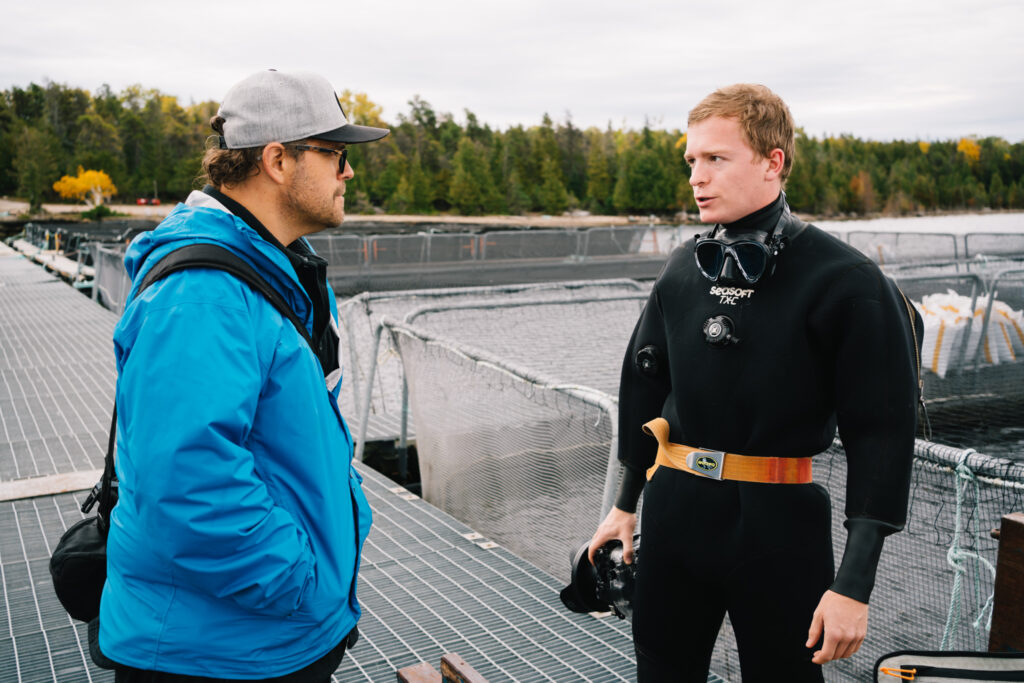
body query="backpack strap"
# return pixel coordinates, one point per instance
(220, 258)
(191, 256)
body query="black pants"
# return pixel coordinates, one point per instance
(318, 672)
(761, 552)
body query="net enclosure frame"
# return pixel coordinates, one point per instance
(378, 397)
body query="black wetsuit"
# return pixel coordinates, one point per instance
(825, 339)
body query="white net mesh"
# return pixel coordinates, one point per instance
(520, 459)
(973, 351)
(111, 285)
(576, 340)
(360, 316)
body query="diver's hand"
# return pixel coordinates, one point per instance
(618, 525)
(844, 622)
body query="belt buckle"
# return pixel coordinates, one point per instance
(708, 464)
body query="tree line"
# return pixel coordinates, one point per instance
(151, 145)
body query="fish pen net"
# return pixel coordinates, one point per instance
(973, 351)
(360, 316)
(935, 577)
(110, 285)
(520, 458)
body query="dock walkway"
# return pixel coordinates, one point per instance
(428, 584)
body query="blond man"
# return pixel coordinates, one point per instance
(760, 337)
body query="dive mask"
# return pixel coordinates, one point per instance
(753, 258)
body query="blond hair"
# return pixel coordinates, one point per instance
(763, 117)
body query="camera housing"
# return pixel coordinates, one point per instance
(607, 585)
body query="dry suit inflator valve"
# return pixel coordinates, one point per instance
(647, 361)
(605, 586)
(719, 330)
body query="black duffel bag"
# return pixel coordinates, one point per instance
(78, 565)
(945, 666)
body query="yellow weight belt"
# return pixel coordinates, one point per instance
(719, 465)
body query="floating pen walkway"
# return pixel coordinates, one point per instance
(428, 584)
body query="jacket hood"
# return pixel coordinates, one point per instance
(202, 219)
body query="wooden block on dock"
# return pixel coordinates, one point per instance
(1007, 634)
(419, 673)
(49, 485)
(454, 669)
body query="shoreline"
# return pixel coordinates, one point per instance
(55, 212)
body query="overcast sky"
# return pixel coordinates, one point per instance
(879, 69)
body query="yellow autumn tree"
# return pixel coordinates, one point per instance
(970, 149)
(360, 109)
(90, 186)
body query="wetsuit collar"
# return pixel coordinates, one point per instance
(763, 220)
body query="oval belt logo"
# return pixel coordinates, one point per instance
(706, 463)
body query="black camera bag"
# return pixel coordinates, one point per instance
(78, 565)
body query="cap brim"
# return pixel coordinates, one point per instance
(352, 134)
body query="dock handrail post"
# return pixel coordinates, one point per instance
(611, 476)
(364, 408)
(403, 437)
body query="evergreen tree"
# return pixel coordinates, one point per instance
(422, 115)
(421, 192)
(553, 196)
(925, 193)
(997, 192)
(472, 189)
(385, 184)
(520, 159)
(599, 176)
(516, 198)
(622, 198)
(35, 163)
(8, 180)
(402, 199)
(64, 107)
(649, 187)
(1014, 197)
(571, 147)
(801, 186)
(98, 145)
(29, 105)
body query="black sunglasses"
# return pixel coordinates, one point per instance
(343, 152)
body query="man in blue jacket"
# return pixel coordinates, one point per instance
(235, 545)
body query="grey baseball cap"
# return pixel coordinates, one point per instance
(273, 106)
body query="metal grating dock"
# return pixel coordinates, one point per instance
(428, 584)
(56, 374)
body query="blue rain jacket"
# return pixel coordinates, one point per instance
(235, 545)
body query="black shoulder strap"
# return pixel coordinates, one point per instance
(219, 258)
(191, 256)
